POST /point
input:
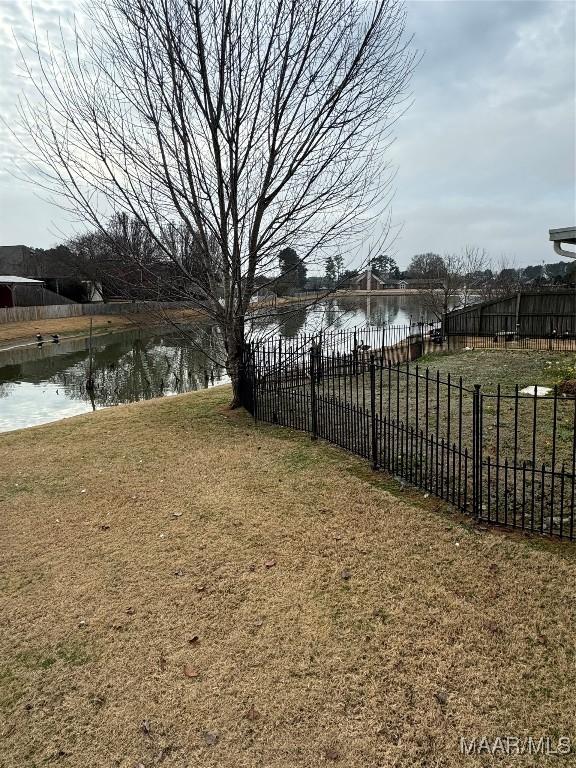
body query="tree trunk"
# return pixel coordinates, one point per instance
(235, 345)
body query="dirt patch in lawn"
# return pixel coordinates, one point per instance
(181, 587)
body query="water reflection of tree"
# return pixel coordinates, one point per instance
(291, 323)
(141, 369)
(332, 315)
(6, 388)
(40, 370)
(8, 375)
(386, 310)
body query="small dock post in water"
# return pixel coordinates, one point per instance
(90, 378)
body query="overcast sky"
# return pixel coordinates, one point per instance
(485, 156)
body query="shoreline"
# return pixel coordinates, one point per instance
(19, 334)
(381, 292)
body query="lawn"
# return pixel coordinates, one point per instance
(181, 587)
(507, 367)
(486, 367)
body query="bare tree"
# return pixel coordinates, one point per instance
(450, 281)
(120, 256)
(253, 125)
(508, 279)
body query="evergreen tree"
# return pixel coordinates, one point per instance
(339, 264)
(330, 270)
(385, 266)
(292, 272)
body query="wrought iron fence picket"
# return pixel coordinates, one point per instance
(503, 458)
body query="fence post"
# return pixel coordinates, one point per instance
(476, 452)
(313, 407)
(422, 342)
(374, 430)
(254, 395)
(444, 331)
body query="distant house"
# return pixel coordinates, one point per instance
(377, 283)
(368, 281)
(55, 268)
(16, 291)
(399, 285)
(423, 283)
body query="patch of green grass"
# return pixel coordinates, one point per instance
(561, 369)
(13, 489)
(74, 654)
(12, 581)
(299, 458)
(507, 367)
(11, 689)
(489, 368)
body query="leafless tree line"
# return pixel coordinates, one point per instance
(454, 280)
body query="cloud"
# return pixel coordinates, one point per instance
(487, 153)
(485, 156)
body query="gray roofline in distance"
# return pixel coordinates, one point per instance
(16, 279)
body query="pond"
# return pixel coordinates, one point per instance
(46, 382)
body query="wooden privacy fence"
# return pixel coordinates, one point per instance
(47, 312)
(527, 314)
(53, 311)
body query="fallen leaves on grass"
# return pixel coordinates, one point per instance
(191, 671)
(441, 697)
(252, 713)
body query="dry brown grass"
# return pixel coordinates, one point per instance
(129, 532)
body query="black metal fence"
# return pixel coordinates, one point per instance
(507, 458)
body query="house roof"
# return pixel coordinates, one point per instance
(373, 274)
(14, 279)
(563, 235)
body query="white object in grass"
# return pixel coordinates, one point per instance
(535, 390)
